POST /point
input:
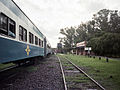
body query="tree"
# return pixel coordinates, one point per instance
(107, 45)
(101, 19)
(69, 37)
(114, 22)
(81, 33)
(102, 33)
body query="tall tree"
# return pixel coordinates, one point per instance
(101, 19)
(81, 33)
(114, 22)
(69, 37)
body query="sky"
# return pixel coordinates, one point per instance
(52, 15)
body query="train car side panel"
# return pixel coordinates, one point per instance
(12, 50)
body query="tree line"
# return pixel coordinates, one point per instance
(102, 33)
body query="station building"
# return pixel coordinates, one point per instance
(80, 48)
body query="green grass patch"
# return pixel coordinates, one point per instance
(70, 68)
(31, 68)
(57, 62)
(77, 79)
(66, 64)
(107, 73)
(3, 66)
(50, 66)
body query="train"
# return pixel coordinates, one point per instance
(20, 38)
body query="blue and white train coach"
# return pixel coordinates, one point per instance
(19, 37)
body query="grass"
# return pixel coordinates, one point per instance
(66, 64)
(50, 66)
(70, 68)
(2, 66)
(80, 79)
(107, 73)
(31, 68)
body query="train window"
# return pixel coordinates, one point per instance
(22, 34)
(42, 43)
(39, 42)
(3, 24)
(7, 26)
(36, 40)
(31, 38)
(11, 28)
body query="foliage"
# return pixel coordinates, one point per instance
(102, 33)
(108, 44)
(69, 37)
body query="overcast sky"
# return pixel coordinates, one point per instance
(52, 15)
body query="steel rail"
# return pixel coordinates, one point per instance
(86, 74)
(63, 75)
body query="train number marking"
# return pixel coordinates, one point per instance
(27, 50)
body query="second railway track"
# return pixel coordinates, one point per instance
(10, 72)
(75, 78)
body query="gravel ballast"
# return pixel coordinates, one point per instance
(45, 75)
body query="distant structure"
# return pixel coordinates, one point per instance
(59, 47)
(80, 48)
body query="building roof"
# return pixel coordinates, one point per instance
(81, 44)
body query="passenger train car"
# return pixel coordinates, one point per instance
(19, 37)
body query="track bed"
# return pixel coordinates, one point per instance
(75, 79)
(44, 75)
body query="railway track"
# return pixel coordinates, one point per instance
(75, 78)
(7, 74)
(63, 75)
(10, 72)
(13, 66)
